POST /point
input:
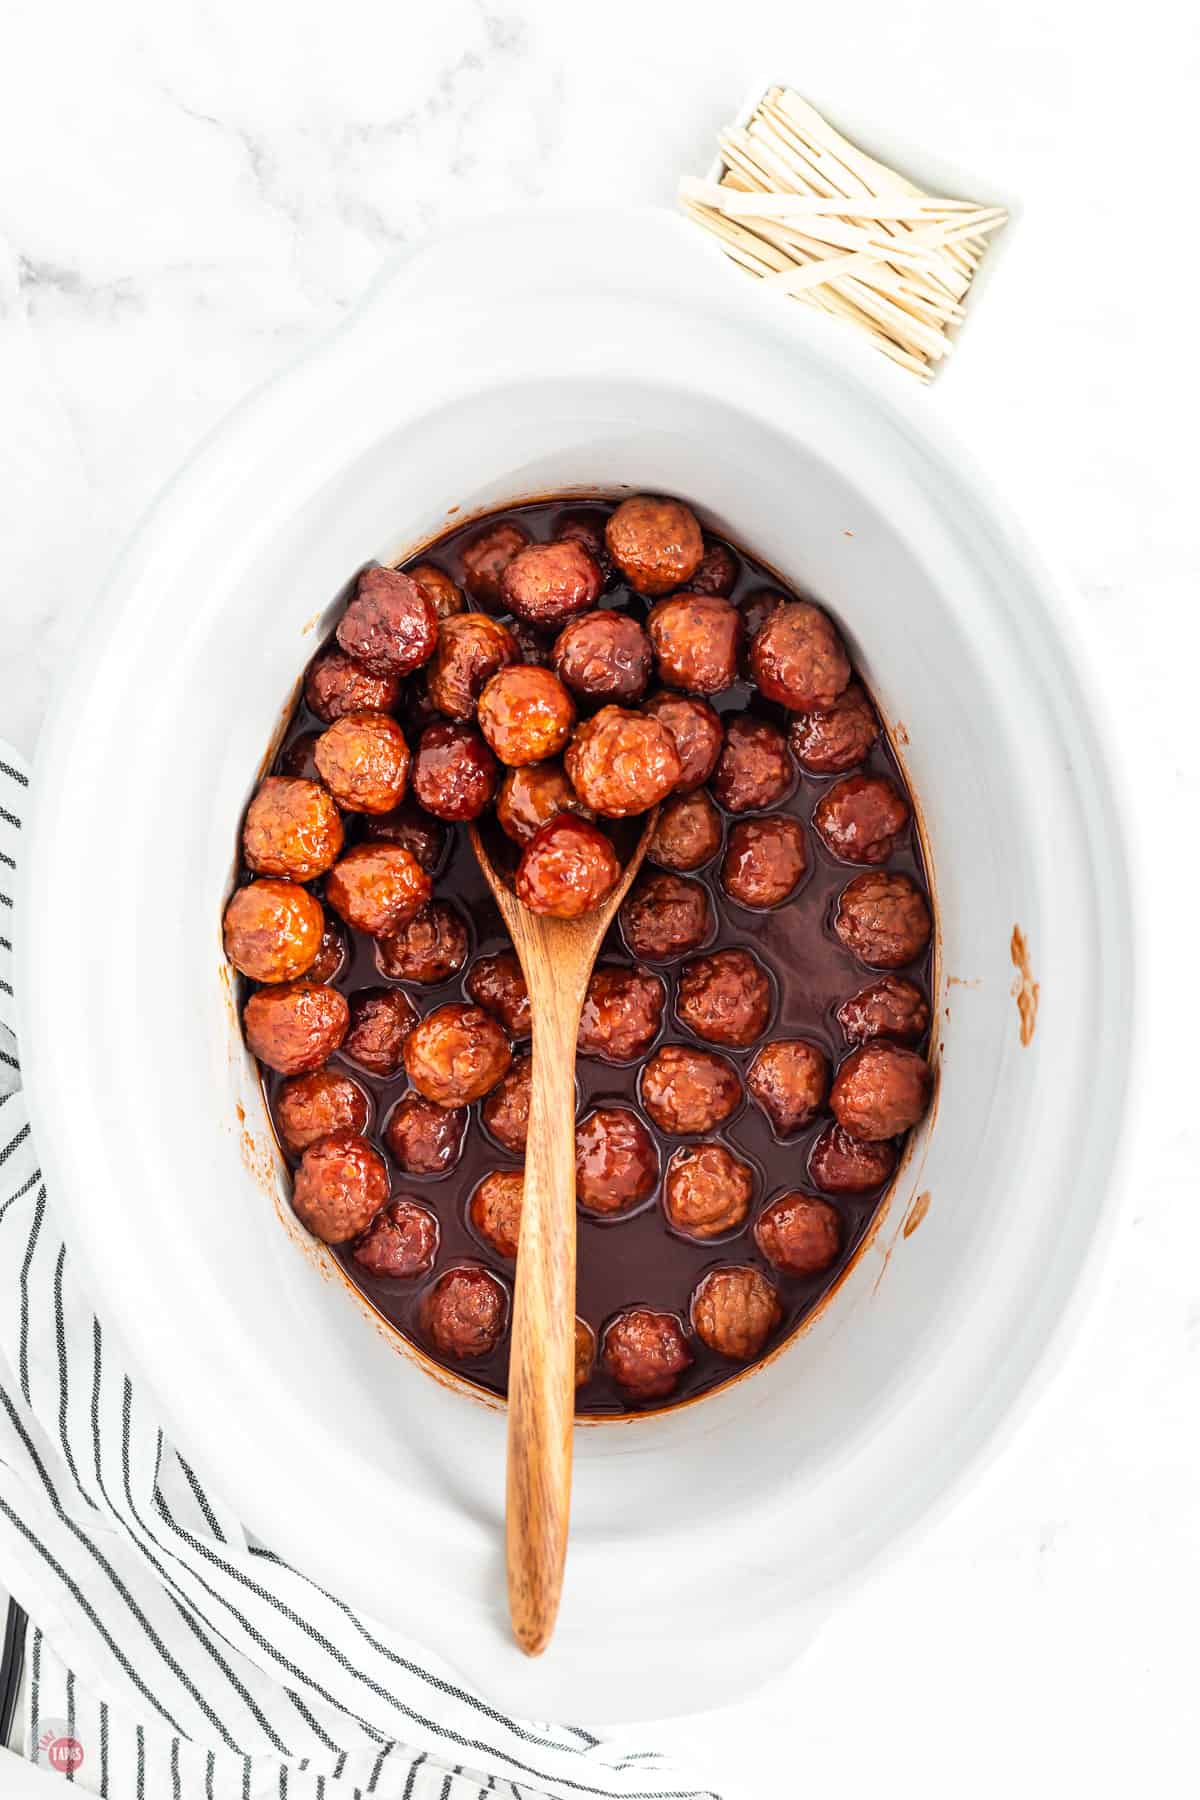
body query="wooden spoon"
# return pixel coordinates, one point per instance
(556, 956)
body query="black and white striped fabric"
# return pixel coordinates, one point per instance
(174, 1655)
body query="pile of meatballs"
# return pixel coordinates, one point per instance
(567, 685)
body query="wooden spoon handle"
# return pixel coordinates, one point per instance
(541, 1368)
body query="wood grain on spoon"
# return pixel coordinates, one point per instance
(557, 957)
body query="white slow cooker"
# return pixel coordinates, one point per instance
(533, 354)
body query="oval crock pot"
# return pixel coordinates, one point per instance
(531, 354)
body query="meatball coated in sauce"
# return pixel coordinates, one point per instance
(455, 773)
(364, 761)
(549, 583)
(621, 762)
(340, 1185)
(465, 1313)
(485, 559)
(688, 833)
(445, 596)
(336, 685)
(402, 1242)
(309, 1107)
(646, 1352)
(423, 1138)
(456, 1055)
(798, 659)
(415, 831)
(799, 1234)
(688, 1091)
(707, 1191)
(495, 1210)
(430, 948)
(585, 525)
(842, 1164)
(697, 733)
(734, 1311)
(604, 655)
(506, 1109)
(531, 796)
(526, 714)
(616, 1164)
(861, 817)
(696, 638)
(882, 919)
(889, 1008)
(790, 1081)
(390, 626)
(765, 861)
(273, 930)
(881, 1090)
(380, 1020)
(296, 1027)
(471, 648)
(585, 1352)
(725, 998)
(567, 869)
(377, 888)
(835, 738)
(330, 959)
(622, 1013)
(754, 770)
(656, 544)
(756, 609)
(292, 828)
(497, 984)
(665, 915)
(718, 570)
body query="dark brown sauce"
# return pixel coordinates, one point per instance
(635, 1259)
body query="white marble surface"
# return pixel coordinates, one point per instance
(192, 192)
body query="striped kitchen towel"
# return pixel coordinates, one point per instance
(171, 1655)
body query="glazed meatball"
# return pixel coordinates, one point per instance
(470, 649)
(465, 1313)
(506, 1109)
(754, 770)
(656, 544)
(790, 1080)
(402, 1242)
(622, 762)
(456, 1054)
(734, 1311)
(568, 868)
(689, 1091)
(416, 831)
(718, 571)
(605, 655)
(664, 916)
(889, 1008)
(842, 1164)
(688, 832)
(340, 1185)
(881, 1090)
(616, 1164)
(380, 1020)
(292, 828)
(445, 596)
(764, 862)
(390, 626)
(725, 998)
(377, 888)
(485, 559)
(530, 797)
(548, 583)
(454, 774)
(363, 760)
(646, 1352)
(883, 920)
(585, 1352)
(585, 525)
(798, 659)
(756, 609)
(309, 1107)
(622, 1012)
(526, 714)
(495, 1210)
(423, 1138)
(697, 733)
(708, 1191)
(298, 759)
(835, 738)
(695, 639)
(497, 984)
(861, 817)
(330, 959)
(273, 930)
(295, 1028)
(430, 948)
(336, 685)
(799, 1234)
